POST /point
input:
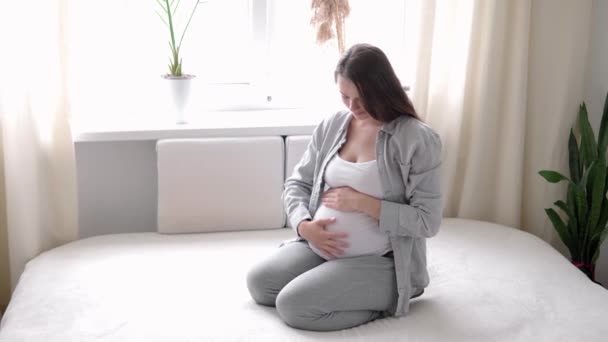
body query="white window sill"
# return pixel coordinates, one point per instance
(200, 124)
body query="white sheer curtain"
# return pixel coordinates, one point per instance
(501, 81)
(39, 174)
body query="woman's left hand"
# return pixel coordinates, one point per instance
(343, 198)
(348, 199)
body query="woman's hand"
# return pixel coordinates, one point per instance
(343, 198)
(348, 199)
(315, 233)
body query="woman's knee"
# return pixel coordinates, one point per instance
(260, 286)
(302, 308)
(297, 309)
(291, 309)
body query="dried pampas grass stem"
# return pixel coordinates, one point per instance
(328, 13)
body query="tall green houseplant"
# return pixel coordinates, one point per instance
(169, 9)
(583, 223)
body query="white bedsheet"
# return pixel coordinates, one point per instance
(488, 283)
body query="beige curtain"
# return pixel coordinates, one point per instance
(39, 196)
(501, 81)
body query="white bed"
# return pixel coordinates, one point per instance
(488, 283)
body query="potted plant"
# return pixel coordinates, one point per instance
(180, 82)
(586, 207)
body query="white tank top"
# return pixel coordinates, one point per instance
(364, 235)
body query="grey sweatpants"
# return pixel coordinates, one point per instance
(314, 294)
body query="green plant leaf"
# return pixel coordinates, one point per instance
(566, 210)
(588, 144)
(574, 158)
(161, 18)
(552, 176)
(581, 206)
(575, 244)
(560, 227)
(603, 220)
(176, 5)
(170, 8)
(591, 250)
(602, 238)
(188, 23)
(580, 195)
(585, 178)
(173, 50)
(595, 198)
(162, 5)
(602, 136)
(599, 229)
(598, 193)
(606, 183)
(572, 205)
(564, 207)
(171, 30)
(590, 181)
(570, 212)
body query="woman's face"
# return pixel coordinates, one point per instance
(351, 99)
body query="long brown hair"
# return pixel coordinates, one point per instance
(373, 75)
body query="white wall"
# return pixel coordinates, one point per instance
(596, 88)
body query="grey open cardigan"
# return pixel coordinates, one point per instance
(408, 155)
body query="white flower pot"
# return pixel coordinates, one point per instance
(180, 93)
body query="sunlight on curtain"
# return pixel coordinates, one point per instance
(38, 152)
(116, 57)
(482, 72)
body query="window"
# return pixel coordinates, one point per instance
(245, 53)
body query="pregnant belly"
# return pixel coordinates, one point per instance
(364, 237)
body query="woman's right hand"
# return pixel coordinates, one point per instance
(328, 242)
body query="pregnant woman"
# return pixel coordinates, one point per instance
(362, 200)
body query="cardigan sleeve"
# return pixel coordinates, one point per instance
(421, 216)
(297, 188)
